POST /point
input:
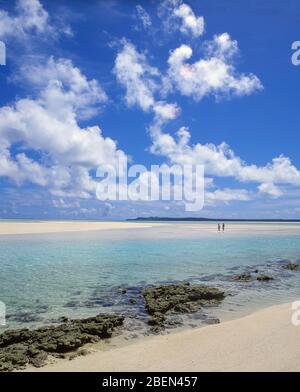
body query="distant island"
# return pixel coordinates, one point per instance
(189, 219)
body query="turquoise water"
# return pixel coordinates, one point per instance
(44, 277)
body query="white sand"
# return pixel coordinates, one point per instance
(264, 341)
(39, 227)
(160, 229)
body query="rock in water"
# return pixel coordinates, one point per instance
(20, 347)
(292, 266)
(264, 278)
(242, 277)
(179, 298)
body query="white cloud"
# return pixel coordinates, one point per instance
(221, 46)
(270, 190)
(133, 71)
(226, 195)
(61, 203)
(21, 168)
(214, 74)
(190, 23)
(143, 17)
(177, 15)
(29, 18)
(142, 82)
(166, 111)
(64, 87)
(46, 127)
(221, 161)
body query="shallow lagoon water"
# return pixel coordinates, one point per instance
(44, 277)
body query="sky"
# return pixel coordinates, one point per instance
(207, 82)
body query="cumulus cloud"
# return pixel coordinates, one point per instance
(215, 74)
(47, 128)
(29, 18)
(221, 161)
(142, 82)
(190, 23)
(221, 46)
(166, 111)
(21, 168)
(177, 15)
(270, 190)
(64, 87)
(138, 77)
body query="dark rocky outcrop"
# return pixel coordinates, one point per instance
(21, 347)
(248, 277)
(264, 278)
(177, 298)
(242, 277)
(157, 319)
(292, 266)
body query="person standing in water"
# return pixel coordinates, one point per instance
(223, 227)
(219, 227)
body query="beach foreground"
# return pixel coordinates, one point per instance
(263, 341)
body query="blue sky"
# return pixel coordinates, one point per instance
(84, 83)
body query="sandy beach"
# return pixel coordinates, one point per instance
(263, 341)
(40, 227)
(166, 229)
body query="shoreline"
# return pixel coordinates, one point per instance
(165, 229)
(44, 227)
(265, 340)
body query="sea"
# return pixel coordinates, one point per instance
(44, 277)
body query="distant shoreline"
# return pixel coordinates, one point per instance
(142, 219)
(167, 219)
(169, 228)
